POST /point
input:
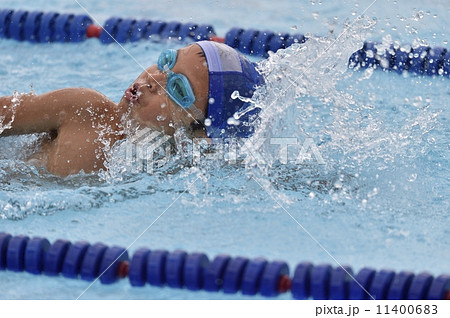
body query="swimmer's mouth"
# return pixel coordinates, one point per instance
(131, 94)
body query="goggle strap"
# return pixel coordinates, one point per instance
(198, 115)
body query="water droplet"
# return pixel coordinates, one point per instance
(373, 193)
(233, 121)
(160, 118)
(384, 63)
(208, 122)
(163, 105)
(419, 15)
(235, 95)
(338, 184)
(412, 177)
(294, 27)
(211, 101)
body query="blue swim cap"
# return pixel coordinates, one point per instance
(229, 71)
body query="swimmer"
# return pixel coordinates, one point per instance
(189, 88)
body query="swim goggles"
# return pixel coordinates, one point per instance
(178, 87)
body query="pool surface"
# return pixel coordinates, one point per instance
(366, 174)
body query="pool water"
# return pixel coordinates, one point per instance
(372, 188)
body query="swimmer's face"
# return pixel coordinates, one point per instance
(152, 107)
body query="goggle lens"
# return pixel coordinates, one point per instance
(178, 86)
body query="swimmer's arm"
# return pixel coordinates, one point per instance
(48, 112)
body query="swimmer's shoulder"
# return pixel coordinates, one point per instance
(32, 113)
(78, 96)
(79, 102)
(85, 106)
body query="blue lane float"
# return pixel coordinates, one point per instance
(194, 271)
(4, 241)
(381, 283)
(110, 264)
(362, 283)
(213, 275)
(420, 286)
(15, 254)
(252, 276)
(320, 281)
(301, 282)
(90, 267)
(156, 267)
(340, 282)
(233, 275)
(40, 27)
(230, 275)
(174, 269)
(35, 253)
(273, 278)
(73, 259)
(138, 267)
(46, 28)
(400, 285)
(55, 256)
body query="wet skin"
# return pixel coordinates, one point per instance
(81, 121)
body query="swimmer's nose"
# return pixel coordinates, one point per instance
(157, 81)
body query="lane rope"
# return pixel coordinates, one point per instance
(227, 274)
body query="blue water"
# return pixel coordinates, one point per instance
(379, 199)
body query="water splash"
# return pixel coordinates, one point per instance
(310, 94)
(15, 102)
(299, 78)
